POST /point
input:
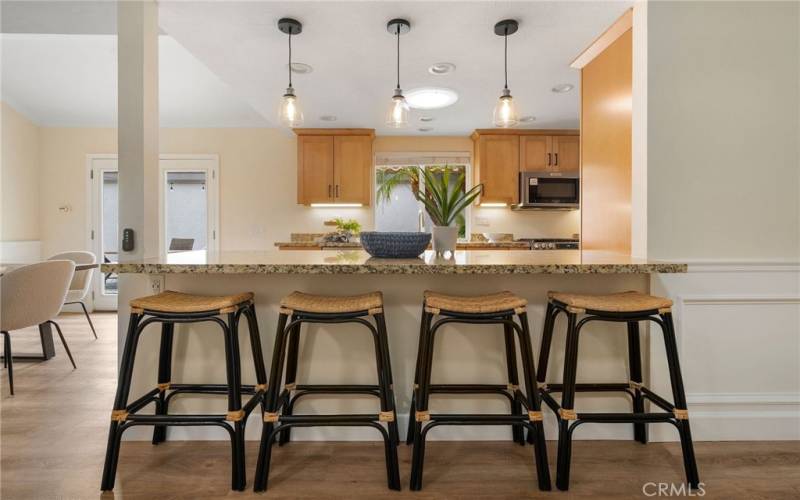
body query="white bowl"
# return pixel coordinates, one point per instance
(494, 237)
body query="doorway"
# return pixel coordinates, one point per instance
(188, 212)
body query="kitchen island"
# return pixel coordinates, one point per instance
(338, 353)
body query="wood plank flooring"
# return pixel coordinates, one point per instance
(54, 435)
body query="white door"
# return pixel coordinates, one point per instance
(188, 210)
(103, 234)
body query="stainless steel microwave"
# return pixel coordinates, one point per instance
(539, 190)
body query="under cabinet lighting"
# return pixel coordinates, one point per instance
(494, 205)
(336, 205)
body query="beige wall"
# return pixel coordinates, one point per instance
(257, 185)
(723, 133)
(19, 177)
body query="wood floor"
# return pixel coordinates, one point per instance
(54, 436)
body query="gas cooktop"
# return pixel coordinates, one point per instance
(552, 243)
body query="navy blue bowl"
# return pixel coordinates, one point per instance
(394, 245)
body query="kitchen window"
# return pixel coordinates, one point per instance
(402, 212)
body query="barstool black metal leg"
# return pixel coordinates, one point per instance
(273, 391)
(120, 402)
(291, 378)
(258, 353)
(635, 362)
(412, 410)
(423, 394)
(387, 401)
(380, 320)
(547, 339)
(517, 432)
(164, 377)
(679, 395)
(567, 404)
(534, 403)
(235, 412)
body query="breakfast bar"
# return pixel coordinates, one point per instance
(334, 353)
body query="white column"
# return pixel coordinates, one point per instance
(137, 122)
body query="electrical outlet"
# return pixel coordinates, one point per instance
(156, 283)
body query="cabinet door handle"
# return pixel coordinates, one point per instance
(556, 159)
(337, 191)
(549, 159)
(330, 191)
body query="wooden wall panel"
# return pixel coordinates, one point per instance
(606, 90)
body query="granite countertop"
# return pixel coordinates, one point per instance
(360, 262)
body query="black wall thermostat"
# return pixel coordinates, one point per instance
(127, 239)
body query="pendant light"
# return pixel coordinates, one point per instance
(505, 113)
(290, 114)
(397, 115)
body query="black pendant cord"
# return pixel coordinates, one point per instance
(505, 52)
(398, 56)
(290, 58)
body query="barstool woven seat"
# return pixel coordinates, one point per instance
(167, 309)
(327, 304)
(612, 302)
(284, 391)
(177, 302)
(497, 309)
(474, 304)
(629, 308)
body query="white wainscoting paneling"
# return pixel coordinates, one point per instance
(738, 327)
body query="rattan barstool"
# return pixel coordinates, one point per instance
(168, 308)
(279, 417)
(495, 309)
(630, 308)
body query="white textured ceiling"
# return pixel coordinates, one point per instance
(238, 70)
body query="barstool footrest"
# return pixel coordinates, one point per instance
(599, 387)
(322, 420)
(478, 419)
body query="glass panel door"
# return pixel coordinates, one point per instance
(103, 232)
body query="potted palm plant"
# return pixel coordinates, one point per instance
(444, 197)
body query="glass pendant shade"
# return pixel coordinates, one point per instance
(397, 116)
(505, 113)
(290, 114)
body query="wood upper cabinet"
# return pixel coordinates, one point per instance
(497, 167)
(334, 165)
(535, 153)
(566, 153)
(315, 169)
(352, 162)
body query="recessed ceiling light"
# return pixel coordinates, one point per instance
(431, 97)
(301, 68)
(442, 68)
(425, 129)
(562, 88)
(426, 119)
(328, 118)
(527, 119)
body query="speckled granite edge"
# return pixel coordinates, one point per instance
(461, 246)
(384, 267)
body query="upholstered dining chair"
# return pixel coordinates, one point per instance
(29, 296)
(81, 281)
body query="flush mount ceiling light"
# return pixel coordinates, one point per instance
(505, 114)
(301, 68)
(397, 116)
(328, 118)
(290, 114)
(431, 97)
(562, 88)
(441, 68)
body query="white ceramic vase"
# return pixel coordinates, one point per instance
(444, 239)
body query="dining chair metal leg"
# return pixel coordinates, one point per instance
(88, 318)
(64, 343)
(9, 362)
